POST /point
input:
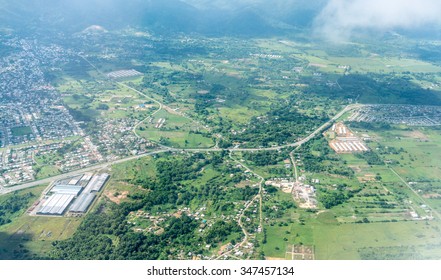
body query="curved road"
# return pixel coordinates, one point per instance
(76, 172)
(164, 149)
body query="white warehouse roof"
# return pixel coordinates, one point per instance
(56, 204)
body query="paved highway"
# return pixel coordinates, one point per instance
(295, 144)
(164, 149)
(76, 172)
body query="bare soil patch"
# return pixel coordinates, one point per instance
(117, 199)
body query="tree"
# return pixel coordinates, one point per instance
(103, 106)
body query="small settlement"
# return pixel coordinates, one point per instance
(303, 194)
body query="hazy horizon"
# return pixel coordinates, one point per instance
(333, 20)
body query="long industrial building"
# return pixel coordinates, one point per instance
(348, 146)
(124, 74)
(66, 189)
(82, 203)
(56, 204)
(82, 194)
(346, 141)
(96, 183)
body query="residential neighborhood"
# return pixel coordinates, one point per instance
(38, 134)
(412, 115)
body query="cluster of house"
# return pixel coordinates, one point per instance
(16, 166)
(31, 109)
(303, 194)
(412, 115)
(263, 55)
(115, 138)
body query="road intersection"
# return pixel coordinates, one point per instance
(164, 149)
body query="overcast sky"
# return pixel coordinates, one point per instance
(341, 18)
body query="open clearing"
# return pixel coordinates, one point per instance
(34, 234)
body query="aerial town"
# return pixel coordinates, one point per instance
(32, 109)
(133, 142)
(38, 134)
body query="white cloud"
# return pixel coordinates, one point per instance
(341, 18)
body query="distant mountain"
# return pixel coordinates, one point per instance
(207, 17)
(276, 13)
(218, 17)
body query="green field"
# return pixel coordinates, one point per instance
(363, 227)
(336, 241)
(346, 240)
(32, 237)
(21, 131)
(177, 131)
(144, 167)
(47, 171)
(238, 114)
(284, 230)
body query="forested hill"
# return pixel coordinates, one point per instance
(257, 19)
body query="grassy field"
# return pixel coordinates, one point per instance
(47, 171)
(420, 159)
(177, 131)
(238, 113)
(33, 236)
(21, 131)
(120, 185)
(365, 64)
(285, 229)
(423, 158)
(363, 227)
(339, 241)
(418, 162)
(119, 101)
(140, 168)
(334, 241)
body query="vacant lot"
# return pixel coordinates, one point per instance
(20, 131)
(176, 130)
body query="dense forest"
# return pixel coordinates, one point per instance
(372, 158)
(318, 157)
(106, 235)
(331, 198)
(387, 89)
(264, 158)
(12, 205)
(283, 124)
